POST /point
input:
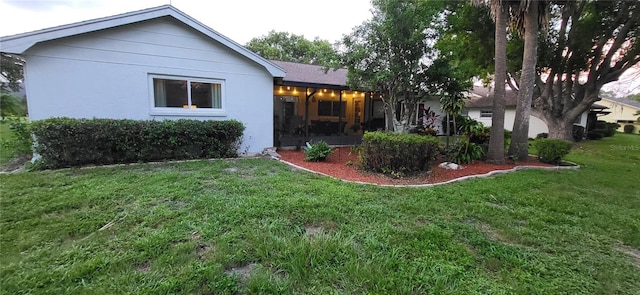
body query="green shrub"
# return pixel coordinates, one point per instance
(594, 135)
(602, 132)
(474, 143)
(21, 141)
(578, 133)
(65, 142)
(606, 128)
(629, 128)
(11, 106)
(542, 135)
(397, 154)
(317, 152)
(611, 129)
(551, 150)
(464, 153)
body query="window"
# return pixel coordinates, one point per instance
(330, 108)
(485, 114)
(176, 93)
(578, 120)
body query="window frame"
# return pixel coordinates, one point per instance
(174, 111)
(342, 113)
(487, 114)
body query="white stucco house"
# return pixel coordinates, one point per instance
(152, 64)
(479, 103)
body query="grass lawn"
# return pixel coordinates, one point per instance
(257, 226)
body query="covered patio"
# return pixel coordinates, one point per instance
(313, 103)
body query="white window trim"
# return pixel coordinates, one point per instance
(200, 112)
(485, 113)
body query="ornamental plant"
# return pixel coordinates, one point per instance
(551, 151)
(317, 152)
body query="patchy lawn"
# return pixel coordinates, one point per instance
(257, 226)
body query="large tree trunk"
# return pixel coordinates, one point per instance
(519, 147)
(496, 141)
(561, 129)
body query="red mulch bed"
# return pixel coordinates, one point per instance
(338, 166)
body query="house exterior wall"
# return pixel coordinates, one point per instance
(536, 125)
(106, 74)
(620, 112)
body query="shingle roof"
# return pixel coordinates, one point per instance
(482, 97)
(312, 74)
(625, 101)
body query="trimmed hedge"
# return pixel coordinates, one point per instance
(629, 128)
(551, 150)
(594, 135)
(578, 133)
(397, 154)
(66, 142)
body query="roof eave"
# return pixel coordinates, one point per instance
(20, 43)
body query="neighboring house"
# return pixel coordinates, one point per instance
(622, 111)
(152, 64)
(479, 104)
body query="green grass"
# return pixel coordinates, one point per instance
(9, 147)
(256, 226)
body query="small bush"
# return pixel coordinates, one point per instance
(629, 129)
(611, 129)
(551, 150)
(65, 142)
(578, 133)
(606, 128)
(397, 154)
(464, 153)
(542, 135)
(602, 132)
(21, 141)
(317, 152)
(594, 135)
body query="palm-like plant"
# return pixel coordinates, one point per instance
(500, 13)
(528, 17)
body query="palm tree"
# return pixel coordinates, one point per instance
(500, 12)
(529, 12)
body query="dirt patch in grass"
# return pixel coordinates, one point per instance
(312, 231)
(243, 272)
(494, 234)
(144, 267)
(342, 164)
(204, 251)
(633, 253)
(16, 164)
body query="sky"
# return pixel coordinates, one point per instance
(240, 20)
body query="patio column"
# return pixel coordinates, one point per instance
(340, 113)
(306, 113)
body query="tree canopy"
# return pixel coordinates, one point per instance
(393, 54)
(588, 44)
(294, 48)
(11, 67)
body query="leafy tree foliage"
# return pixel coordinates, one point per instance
(635, 97)
(294, 48)
(11, 106)
(11, 67)
(591, 44)
(588, 44)
(393, 54)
